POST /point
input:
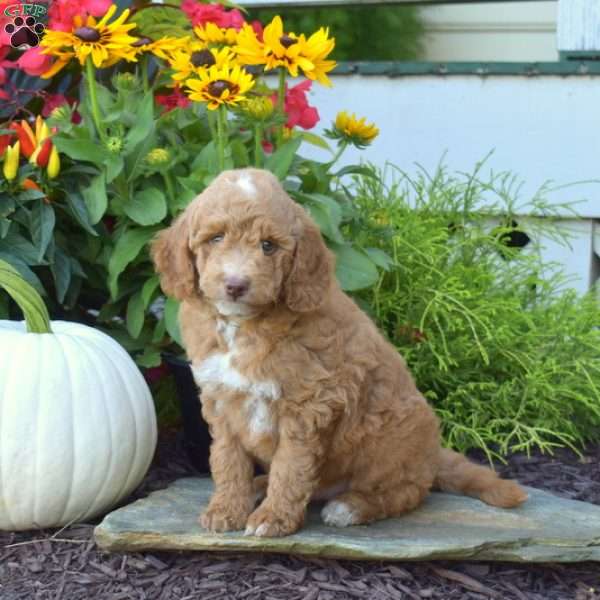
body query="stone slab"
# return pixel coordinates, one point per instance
(544, 529)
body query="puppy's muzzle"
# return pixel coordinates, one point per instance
(236, 287)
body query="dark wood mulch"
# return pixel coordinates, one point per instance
(66, 565)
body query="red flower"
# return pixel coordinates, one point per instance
(267, 146)
(177, 99)
(62, 12)
(200, 14)
(258, 29)
(52, 101)
(297, 108)
(33, 62)
(6, 139)
(155, 374)
(4, 64)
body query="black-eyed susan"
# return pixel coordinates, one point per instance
(288, 50)
(164, 47)
(185, 62)
(217, 86)
(106, 43)
(213, 35)
(352, 130)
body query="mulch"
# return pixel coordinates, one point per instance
(66, 565)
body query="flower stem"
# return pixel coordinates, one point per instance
(281, 103)
(25, 295)
(221, 125)
(145, 73)
(258, 151)
(91, 79)
(342, 146)
(169, 185)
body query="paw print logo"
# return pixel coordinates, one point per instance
(24, 32)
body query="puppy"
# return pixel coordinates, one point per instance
(294, 375)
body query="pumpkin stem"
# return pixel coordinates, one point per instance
(29, 301)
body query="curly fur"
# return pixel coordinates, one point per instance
(295, 376)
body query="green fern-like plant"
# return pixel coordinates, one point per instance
(507, 354)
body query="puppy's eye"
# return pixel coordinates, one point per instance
(216, 238)
(268, 247)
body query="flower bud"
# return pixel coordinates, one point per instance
(158, 157)
(114, 144)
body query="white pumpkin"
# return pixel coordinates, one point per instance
(77, 424)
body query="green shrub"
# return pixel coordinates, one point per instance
(509, 357)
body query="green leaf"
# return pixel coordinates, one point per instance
(82, 150)
(149, 358)
(149, 289)
(43, 220)
(207, 159)
(79, 211)
(114, 165)
(239, 153)
(354, 269)
(4, 227)
(29, 195)
(326, 212)
(380, 258)
(61, 272)
(315, 140)
(95, 198)
(280, 161)
(147, 207)
(19, 247)
(357, 170)
(159, 332)
(135, 315)
(7, 205)
(172, 319)
(126, 249)
(326, 223)
(24, 270)
(144, 123)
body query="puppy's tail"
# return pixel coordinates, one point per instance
(459, 475)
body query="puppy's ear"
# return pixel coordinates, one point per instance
(311, 274)
(174, 261)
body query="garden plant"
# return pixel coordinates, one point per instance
(116, 122)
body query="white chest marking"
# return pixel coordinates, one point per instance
(218, 370)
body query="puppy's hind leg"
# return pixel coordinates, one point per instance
(359, 507)
(393, 469)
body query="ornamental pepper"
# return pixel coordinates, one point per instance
(43, 154)
(11, 161)
(4, 142)
(29, 184)
(53, 163)
(26, 137)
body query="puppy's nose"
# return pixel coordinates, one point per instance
(236, 286)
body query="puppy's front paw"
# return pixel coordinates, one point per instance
(222, 516)
(264, 522)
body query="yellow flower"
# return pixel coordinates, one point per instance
(105, 43)
(196, 57)
(209, 33)
(164, 47)
(288, 50)
(220, 85)
(351, 129)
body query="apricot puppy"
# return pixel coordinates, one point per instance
(294, 375)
